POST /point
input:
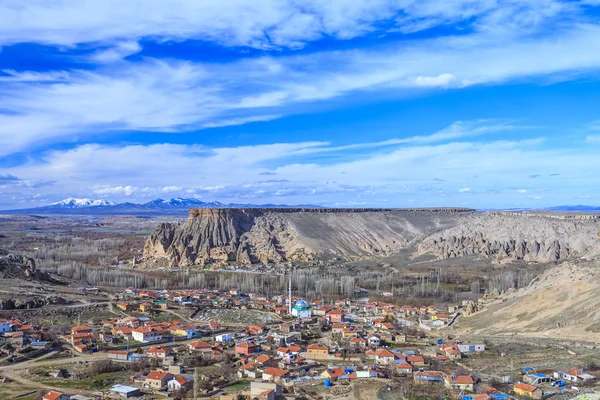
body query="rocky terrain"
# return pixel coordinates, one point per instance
(14, 266)
(561, 303)
(21, 276)
(507, 237)
(244, 236)
(275, 235)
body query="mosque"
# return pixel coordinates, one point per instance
(302, 310)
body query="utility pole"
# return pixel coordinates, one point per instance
(196, 383)
(290, 297)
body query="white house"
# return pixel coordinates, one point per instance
(573, 375)
(146, 334)
(471, 348)
(180, 382)
(226, 337)
(374, 341)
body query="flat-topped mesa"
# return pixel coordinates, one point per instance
(206, 212)
(272, 235)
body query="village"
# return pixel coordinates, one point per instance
(289, 349)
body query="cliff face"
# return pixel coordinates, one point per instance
(243, 236)
(531, 238)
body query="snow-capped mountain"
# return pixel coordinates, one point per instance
(81, 203)
(175, 206)
(179, 202)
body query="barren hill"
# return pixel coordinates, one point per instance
(510, 236)
(562, 303)
(243, 236)
(275, 235)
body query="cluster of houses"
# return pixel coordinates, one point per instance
(314, 342)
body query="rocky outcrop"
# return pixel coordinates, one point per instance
(531, 238)
(20, 267)
(244, 236)
(252, 235)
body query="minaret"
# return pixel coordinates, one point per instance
(290, 297)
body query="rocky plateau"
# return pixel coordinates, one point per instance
(245, 236)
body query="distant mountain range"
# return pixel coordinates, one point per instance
(180, 206)
(574, 208)
(175, 206)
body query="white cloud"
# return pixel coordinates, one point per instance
(259, 23)
(116, 52)
(522, 190)
(168, 189)
(115, 190)
(176, 96)
(592, 138)
(303, 177)
(442, 80)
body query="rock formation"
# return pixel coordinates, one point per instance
(20, 267)
(244, 236)
(531, 238)
(252, 235)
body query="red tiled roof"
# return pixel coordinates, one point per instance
(276, 372)
(157, 375)
(525, 387)
(459, 379)
(52, 395)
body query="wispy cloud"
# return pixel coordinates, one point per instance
(260, 23)
(183, 96)
(446, 168)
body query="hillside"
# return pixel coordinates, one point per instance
(274, 235)
(243, 236)
(561, 303)
(512, 236)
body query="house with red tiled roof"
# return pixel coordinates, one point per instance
(123, 331)
(530, 391)
(333, 373)
(81, 329)
(357, 342)
(256, 329)
(336, 316)
(459, 382)
(147, 334)
(321, 310)
(159, 352)
(52, 395)
(275, 374)
(246, 348)
(416, 361)
(181, 382)
(262, 359)
(214, 325)
(317, 351)
(158, 379)
(384, 357)
(201, 346)
(404, 368)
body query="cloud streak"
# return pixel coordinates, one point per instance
(463, 172)
(177, 96)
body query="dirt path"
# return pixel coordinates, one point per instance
(27, 382)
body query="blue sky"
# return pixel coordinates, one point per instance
(386, 103)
